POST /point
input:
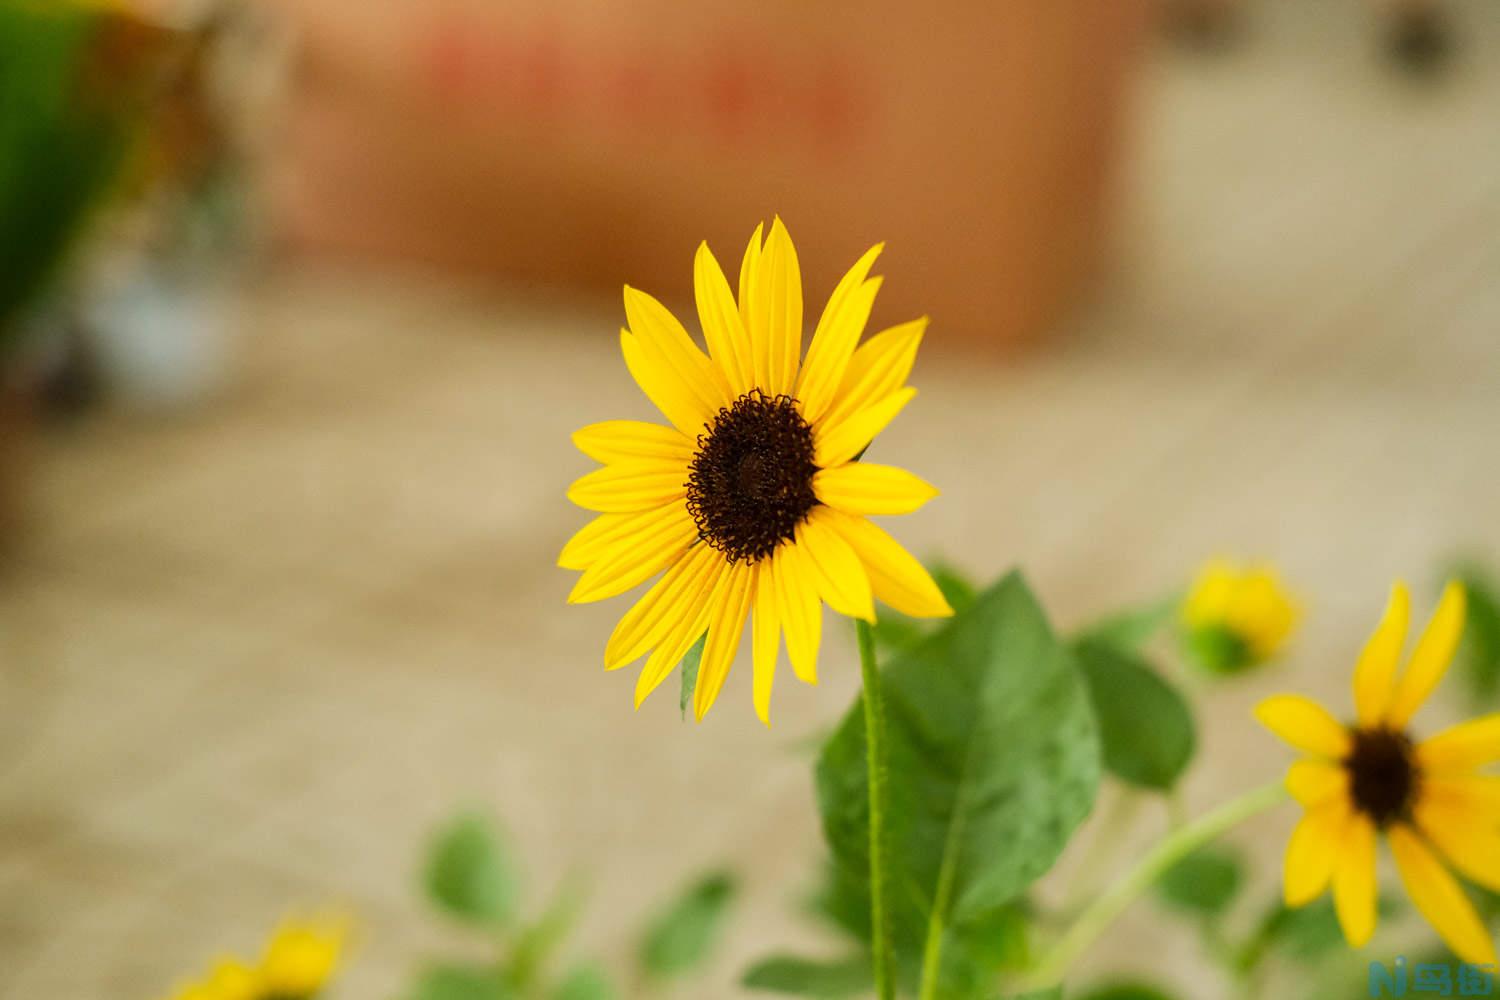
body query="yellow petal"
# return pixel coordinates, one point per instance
(866, 488)
(841, 578)
(667, 344)
(1304, 724)
(781, 285)
(833, 445)
(1313, 782)
(765, 631)
(630, 486)
(1312, 853)
(1470, 841)
(879, 367)
(1462, 747)
(799, 609)
(753, 315)
(1354, 884)
(726, 622)
(837, 333)
(637, 558)
(599, 535)
(1429, 661)
(895, 575)
(1375, 675)
(662, 386)
(633, 440)
(690, 622)
(1476, 795)
(670, 599)
(728, 344)
(1439, 898)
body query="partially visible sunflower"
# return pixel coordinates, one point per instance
(1372, 778)
(299, 962)
(752, 500)
(1237, 616)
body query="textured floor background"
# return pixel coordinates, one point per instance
(250, 657)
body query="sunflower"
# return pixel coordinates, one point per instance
(1373, 779)
(750, 503)
(299, 961)
(1237, 616)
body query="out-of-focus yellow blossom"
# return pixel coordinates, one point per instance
(1237, 616)
(300, 960)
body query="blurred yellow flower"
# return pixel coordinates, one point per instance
(752, 501)
(1372, 778)
(1237, 616)
(299, 961)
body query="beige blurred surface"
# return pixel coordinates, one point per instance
(251, 656)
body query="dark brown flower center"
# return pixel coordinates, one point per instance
(750, 484)
(1382, 774)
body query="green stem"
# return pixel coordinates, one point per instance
(1177, 845)
(880, 923)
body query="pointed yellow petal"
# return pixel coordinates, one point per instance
(834, 445)
(670, 599)
(726, 622)
(1313, 782)
(626, 487)
(766, 637)
(1470, 841)
(1313, 851)
(1354, 884)
(668, 346)
(895, 575)
(691, 621)
(728, 344)
(634, 440)
(799, 609)
(1462, 747)
(867, 488)
(1429, 661)
(837, 333)
(879, 367)
(753, 314)
(1475, 795)
(841, 578)
(1375, 675)
(604, 534)
(662, 386)
(1439, 898)
(1304, 724)
(781, 285)
(637, 558)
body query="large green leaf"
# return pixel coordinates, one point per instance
(810, 977)
(993, 764)
(469, 873)
(683, 936)
(1145, 726)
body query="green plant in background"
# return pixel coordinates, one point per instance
(472, 876)
(74, 84)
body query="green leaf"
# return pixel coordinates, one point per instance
(1145, 726)
(1480, 652)
(1132, 628)
(1205, 882)
(894, 631)
(469, 874)
(1126, 991)
(453, 981)
(809, 977)
(685, 933)
(588, 981)
(993, 763)
(690, 661)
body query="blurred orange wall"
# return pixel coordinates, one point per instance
(592, 143)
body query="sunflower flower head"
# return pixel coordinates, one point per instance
(299, 962)
(1373, 779)
(749, 501)
(1236, 617)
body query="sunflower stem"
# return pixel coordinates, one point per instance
(1178, 844)
(880, 923)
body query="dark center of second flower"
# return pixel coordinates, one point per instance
(750, 484)
(1382, 774)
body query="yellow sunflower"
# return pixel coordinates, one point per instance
(299, 962)
(1373, 778)
(751, 501)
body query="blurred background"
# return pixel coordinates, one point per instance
(300, 302)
